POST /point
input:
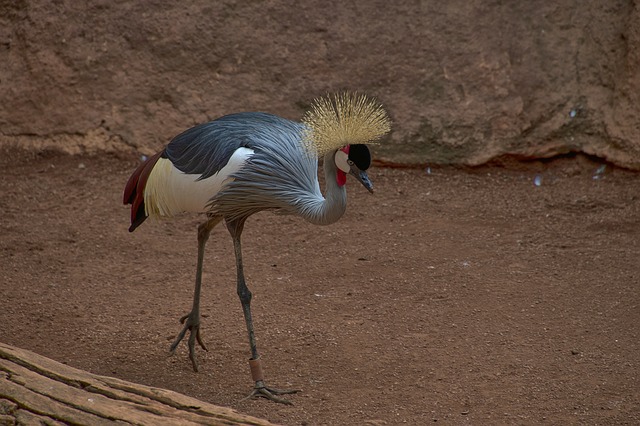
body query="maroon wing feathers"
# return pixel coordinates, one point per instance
(134, 190)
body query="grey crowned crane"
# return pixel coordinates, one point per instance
(240, 164)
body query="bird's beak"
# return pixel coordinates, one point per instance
(362, 177)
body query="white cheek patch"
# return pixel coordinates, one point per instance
(341, 161)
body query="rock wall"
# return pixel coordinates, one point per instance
(465, 81)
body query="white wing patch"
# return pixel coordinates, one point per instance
(169, 191)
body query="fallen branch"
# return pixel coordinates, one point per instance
(38, 390)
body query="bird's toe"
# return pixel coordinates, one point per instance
(192, 325)
(262, 391)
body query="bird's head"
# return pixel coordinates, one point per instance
(344, 123)
(354, 160)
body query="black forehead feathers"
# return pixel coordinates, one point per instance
(360, 155)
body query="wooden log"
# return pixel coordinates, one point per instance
(35, 390)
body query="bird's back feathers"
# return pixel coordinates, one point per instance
(206, 148)
(280, 175)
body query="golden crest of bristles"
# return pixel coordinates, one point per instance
(345, 118)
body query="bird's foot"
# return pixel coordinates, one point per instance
(262, 391)
(191, 323)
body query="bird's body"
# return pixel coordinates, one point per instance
(240, 164)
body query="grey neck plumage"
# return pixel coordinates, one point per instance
(328, 209)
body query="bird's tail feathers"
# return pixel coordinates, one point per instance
(134, 190)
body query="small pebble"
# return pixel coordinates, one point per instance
(599, 172)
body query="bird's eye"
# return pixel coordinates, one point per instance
(350, 162)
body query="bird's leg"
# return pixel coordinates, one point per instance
(191, 321)
(255, 363)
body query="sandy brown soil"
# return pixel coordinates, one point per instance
(462, 297)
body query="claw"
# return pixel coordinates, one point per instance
(193, 326)
(262, 391)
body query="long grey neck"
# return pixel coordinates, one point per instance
(328, 209)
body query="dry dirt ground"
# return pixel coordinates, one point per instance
(456, 296)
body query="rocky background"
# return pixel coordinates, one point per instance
(465, 82)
